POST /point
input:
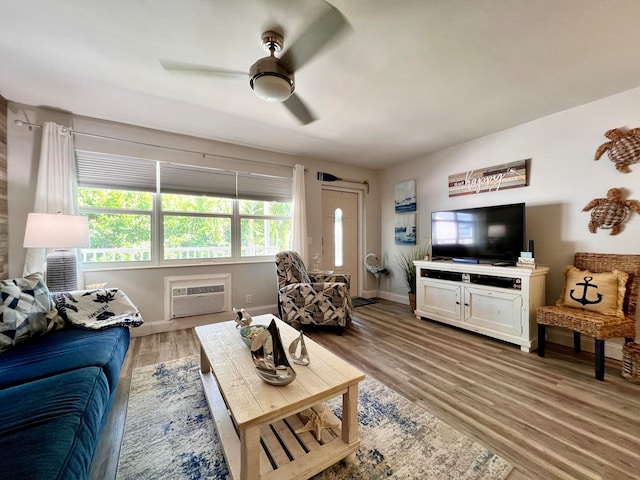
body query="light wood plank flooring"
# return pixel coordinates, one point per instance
(548, 416)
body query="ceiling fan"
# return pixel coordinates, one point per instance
(273, 78)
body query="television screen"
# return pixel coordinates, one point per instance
(490, 234)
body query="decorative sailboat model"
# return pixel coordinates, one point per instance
(270, 358)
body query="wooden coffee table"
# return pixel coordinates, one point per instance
(257, 422)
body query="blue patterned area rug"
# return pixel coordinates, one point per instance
(169, 434)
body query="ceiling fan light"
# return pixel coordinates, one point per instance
(272, 88)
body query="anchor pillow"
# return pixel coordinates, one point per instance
(597, 292)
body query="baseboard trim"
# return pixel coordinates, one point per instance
(149, 328)
(395, 297)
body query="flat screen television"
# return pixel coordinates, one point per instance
(488, 234)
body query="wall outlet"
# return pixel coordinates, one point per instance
(248, 299)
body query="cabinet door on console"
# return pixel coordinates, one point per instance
(441, 298)
(494, 309)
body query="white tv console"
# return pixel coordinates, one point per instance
(499, 302)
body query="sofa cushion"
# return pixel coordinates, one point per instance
(51, 427)
(66, 350)
(26, 310)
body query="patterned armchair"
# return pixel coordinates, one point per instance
(307, 298)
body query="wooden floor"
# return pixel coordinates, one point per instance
(548, 416)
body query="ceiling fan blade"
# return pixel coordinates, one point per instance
(173, 66)
(326, 27)
(299, 109)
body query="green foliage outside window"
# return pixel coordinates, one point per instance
(130, 231)
(172, 202)
(262, 234)
(193, 226)
(196, 237)
(119, 199)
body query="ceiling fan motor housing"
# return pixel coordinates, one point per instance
(270, 80)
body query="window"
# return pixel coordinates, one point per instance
(196, 226)
(153, 213)
(265, 227)
(119, 224)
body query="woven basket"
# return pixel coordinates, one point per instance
(631, 362)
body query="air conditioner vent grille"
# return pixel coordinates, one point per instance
(189, 296)
(199, 290)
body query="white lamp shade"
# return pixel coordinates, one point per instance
(272, 88)
(55, 230)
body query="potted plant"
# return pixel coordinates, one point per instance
(408, 268)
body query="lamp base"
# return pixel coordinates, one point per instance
(61, 273)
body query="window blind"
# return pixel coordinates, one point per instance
(100, 170)
(253, 186)
(192, 180)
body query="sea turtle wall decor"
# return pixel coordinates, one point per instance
(623, 149)
(610, 212)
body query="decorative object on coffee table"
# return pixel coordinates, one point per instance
(623, 149)
(270, 358)
(249, 332)
(303, 357)
(243, 318)
(610, 212)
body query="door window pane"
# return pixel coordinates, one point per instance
(337, 238)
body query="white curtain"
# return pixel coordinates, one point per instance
(299, 214)
(56, 188)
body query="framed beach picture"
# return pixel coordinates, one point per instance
(405, 229)
(405, 196)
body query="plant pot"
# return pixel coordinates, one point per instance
(412, 302)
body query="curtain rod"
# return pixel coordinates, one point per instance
(21, 123)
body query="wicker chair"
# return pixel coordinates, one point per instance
(308, 298)
(596, 325)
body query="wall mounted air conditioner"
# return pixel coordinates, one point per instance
(192, 295)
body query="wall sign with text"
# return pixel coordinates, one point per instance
(490, 179)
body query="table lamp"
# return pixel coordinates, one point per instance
(60, 232)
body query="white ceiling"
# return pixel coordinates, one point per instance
(411, 76)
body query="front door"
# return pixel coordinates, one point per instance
(340, 234)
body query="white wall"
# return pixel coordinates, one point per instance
(145, 286)
(563, 179)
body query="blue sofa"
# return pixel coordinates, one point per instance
(56, 392)
(57, 381)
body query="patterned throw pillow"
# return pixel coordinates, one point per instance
(598, 292)
(26, 310)
(97, 309)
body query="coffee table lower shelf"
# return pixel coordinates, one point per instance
(284, 454)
